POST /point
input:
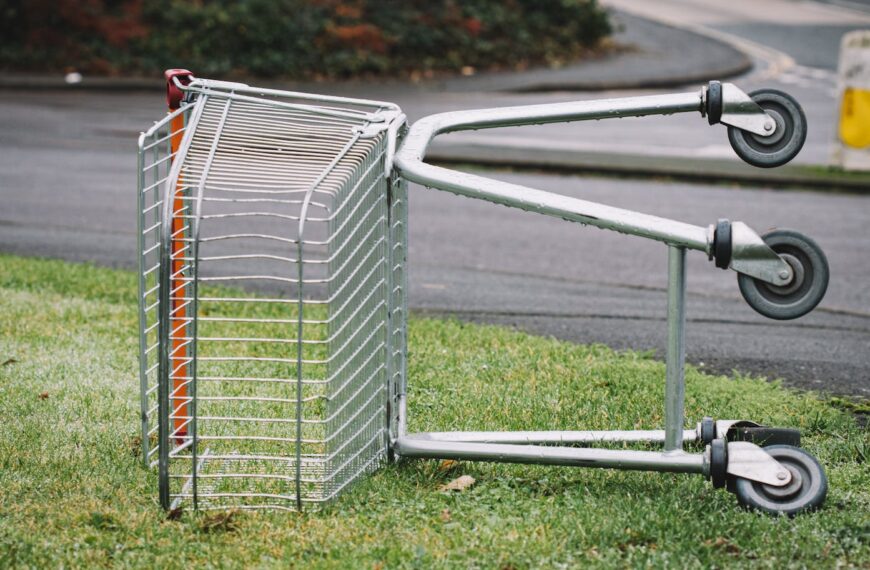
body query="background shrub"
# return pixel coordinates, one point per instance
(294, 38)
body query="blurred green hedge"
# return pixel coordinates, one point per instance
(294, 38)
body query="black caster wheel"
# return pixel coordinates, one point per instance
(805, 492)
(785, 142)
(718, 463)
(803, 293)
(708, 430)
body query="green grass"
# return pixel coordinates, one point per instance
(73, 492)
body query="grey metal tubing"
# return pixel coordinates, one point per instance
(165, 327)
(409, 161)
(143, 345)
(674, 461)
(388, 271)
(163, 371)
(675, 357)
(210, 85)
(549, 437)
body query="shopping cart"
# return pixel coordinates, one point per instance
(265, 400)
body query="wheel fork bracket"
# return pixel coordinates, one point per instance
(751, 256)
(740, 111)
(748, 461)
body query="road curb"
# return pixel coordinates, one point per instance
(665, 56)
(57, 82)
(51, 83)
(659, 62)
(627, 84)
(717, 171)
(775, 62)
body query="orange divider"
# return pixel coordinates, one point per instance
(179, 366)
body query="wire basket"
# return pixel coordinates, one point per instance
(278, 396)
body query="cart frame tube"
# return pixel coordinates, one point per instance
(409, 161)
(143, 344)
(677, 462)
(170, 377)
(552, 437)
(675, 381)
(531, 447)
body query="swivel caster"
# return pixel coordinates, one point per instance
(805, 492)
(783, 143)
(806, 289)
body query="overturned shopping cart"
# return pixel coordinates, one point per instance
(283, 395)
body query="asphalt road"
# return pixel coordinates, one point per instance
(794, 44)
(491, 263)
(67, 171)
(66, 180)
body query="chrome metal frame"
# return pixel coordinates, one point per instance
(749, 255)
(537, 447)
(155, 158)
(386, 155)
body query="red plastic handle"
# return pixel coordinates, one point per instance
(174, 95)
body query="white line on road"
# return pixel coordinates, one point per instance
(776, 62)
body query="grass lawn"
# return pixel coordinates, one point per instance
(73, 492)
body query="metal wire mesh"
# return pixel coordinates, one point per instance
(273, 339)
(157, 149)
